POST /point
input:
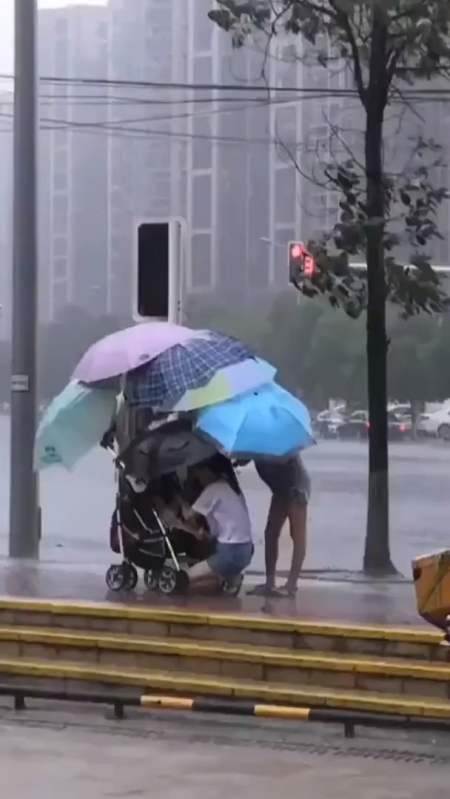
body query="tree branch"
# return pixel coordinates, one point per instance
(407, 13)
(321, 9)
(343, 20)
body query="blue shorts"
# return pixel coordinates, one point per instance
(229, 560)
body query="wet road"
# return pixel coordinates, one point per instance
(77, 506)
(80, 752)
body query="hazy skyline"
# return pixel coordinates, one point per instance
(7, 26)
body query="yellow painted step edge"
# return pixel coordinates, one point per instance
(419, 635)
(212, 686)
(270, 656)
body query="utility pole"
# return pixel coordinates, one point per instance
(24, 512)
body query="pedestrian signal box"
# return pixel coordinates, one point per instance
(159, 266)
(301, 262)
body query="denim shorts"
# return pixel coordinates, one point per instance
(229, 560)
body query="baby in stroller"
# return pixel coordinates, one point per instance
(141, 535)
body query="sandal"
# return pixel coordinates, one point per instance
(262, 590)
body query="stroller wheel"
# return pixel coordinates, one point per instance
(116, 577)
(167, 581)
(131, 577)
(171, 581)
(151, 579)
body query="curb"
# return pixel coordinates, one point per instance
(287, 713)
(348, 719)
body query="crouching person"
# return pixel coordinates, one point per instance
(220, 511)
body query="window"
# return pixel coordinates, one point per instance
(61, 26)
(60, 180)
(203, 69)
(102, 30)
(201, 277)
(60, 206)
(286, 124)
(60, 246)
(60, 159)
(60, 268)
(60, 139)
(258, 264)
(201, 201)
(203, 27)
(60, 295)
(285, 195)
(202, 147)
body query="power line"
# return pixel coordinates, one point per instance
(184, 86)
(142, 133)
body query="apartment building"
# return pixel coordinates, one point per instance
(73, 43)
(146, 159)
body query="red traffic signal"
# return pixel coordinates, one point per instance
(301, 262)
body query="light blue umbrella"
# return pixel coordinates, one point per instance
(72, 425)
(266, 423)
(229, 382)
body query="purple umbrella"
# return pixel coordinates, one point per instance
(127, 349)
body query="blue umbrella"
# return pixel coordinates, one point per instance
(162, 382)
(267, 423)
(72, 425)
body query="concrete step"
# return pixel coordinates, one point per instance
(418, 643)
(72, 677)
(266, 664)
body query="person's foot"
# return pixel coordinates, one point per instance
(232, 585)
(263, 590)
(287, 590)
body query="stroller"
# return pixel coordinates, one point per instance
(138, 532)
(144, 542)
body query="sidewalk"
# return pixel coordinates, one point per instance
(345, 599)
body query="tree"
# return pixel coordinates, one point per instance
(388, 215)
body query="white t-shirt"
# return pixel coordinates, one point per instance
(226, 513)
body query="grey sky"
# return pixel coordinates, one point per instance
(6, 25)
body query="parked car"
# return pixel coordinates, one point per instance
(435, 424)
(399, 426)
(327, 423)
(357, 426)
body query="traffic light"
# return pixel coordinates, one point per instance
(301, 262)
(158, 269)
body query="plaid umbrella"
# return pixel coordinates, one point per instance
(183, 367)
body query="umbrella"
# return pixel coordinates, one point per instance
(267, 423)
(171, 446)
(127, 349)
(227, 383)
(191, 365)
(72, 425)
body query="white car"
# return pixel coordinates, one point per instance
(435, 424)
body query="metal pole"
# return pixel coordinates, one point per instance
(24, 514)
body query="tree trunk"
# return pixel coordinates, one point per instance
(377, 559)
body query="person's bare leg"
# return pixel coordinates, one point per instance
(297, 521)
(278, 513)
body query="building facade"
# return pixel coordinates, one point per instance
(242, 165)
(73, 43)
(146, 160)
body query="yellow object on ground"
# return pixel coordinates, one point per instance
(432, 584)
